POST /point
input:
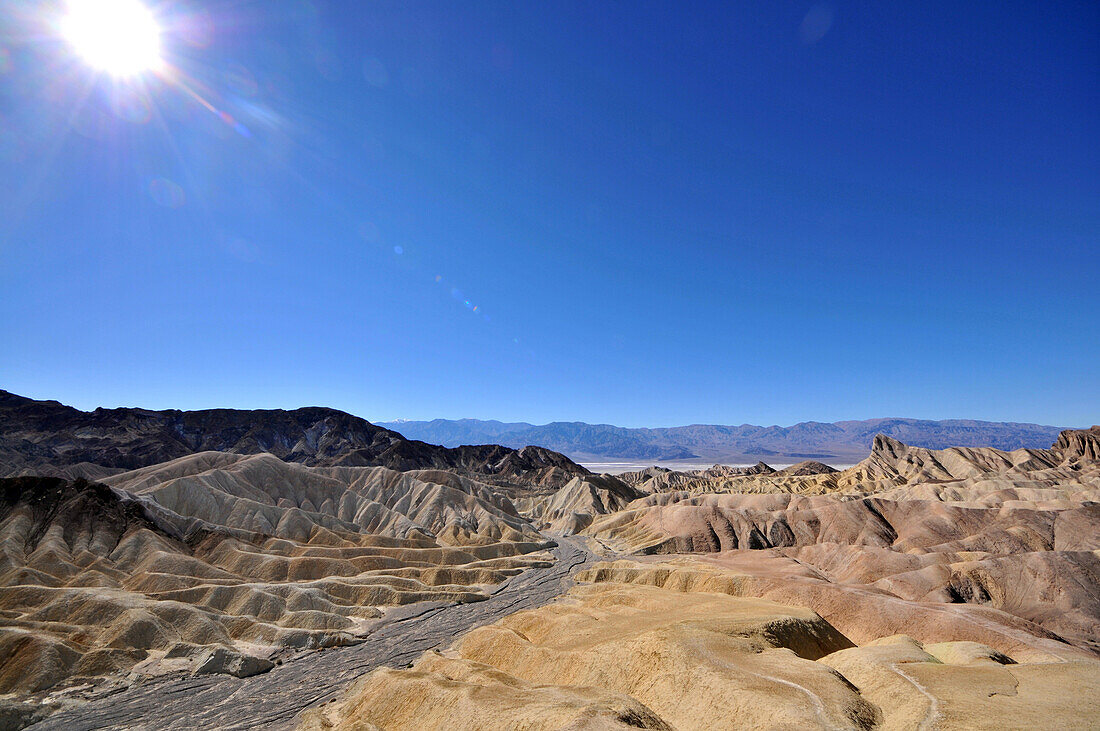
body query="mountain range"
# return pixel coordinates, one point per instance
(47, 437)
(837, 442)
(35, 434)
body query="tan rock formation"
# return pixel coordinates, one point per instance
(614, 654)
(246, 555)
(695, 661)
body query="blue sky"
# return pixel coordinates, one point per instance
(664, 213)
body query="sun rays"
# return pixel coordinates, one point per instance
(119, 37)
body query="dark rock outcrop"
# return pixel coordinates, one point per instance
(809, 467)
(47, 437)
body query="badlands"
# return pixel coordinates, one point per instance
(307, 569)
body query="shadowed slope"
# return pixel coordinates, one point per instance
(37, 436)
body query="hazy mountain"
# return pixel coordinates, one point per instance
(842, 441)
(49, 437)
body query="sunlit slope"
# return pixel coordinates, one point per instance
(245, 553)
(1012, 531)
(621, 654)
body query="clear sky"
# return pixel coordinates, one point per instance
(641, 213)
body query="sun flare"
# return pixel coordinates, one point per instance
(119, 37)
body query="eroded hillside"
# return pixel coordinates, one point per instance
(935, 588)
(248, 556)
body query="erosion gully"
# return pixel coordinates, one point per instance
(275, 699)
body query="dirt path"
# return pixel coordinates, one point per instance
(274, 700)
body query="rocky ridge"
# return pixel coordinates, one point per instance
(246, 557)
(39, 437)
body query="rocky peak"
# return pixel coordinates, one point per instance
(1079, 443)
(888, 447)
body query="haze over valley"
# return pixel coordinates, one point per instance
(842, 442)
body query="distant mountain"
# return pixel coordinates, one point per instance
(838, 442)
(46, 437)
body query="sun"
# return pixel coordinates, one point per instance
(119, 37)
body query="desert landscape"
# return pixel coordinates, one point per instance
(532, 366)
(307, 569)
